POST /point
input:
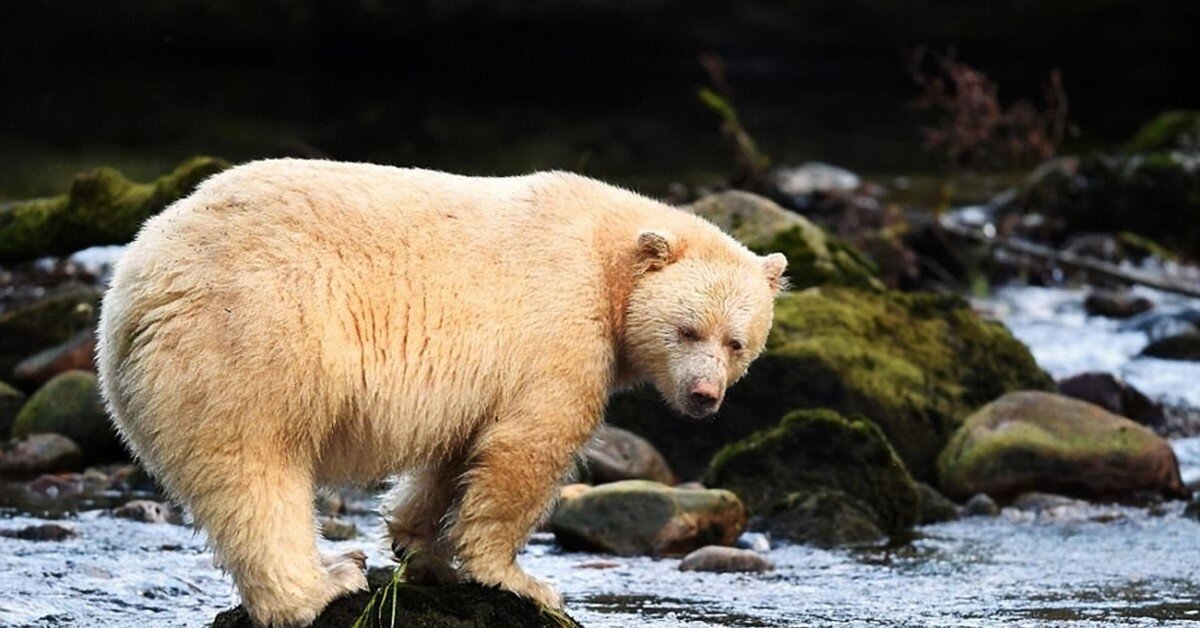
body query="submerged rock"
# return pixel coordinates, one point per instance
(636, 517)
(718, 559)
(615, 454)
(914, 364)
(40, 453)
(416, 606)
(52, 320)
(1034, 441)
(1185, 346)
(11, 401)
(41, 532)
(809, 455)
(815, 258)
(1114, 304)
(70, 405)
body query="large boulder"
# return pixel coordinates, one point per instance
(637, 517)
(39, 453)
(1115, 395)
(815, 258)
(615, 454)
(64, 312)
(790, 474)
(1034, 441)
(70, 405)
(460, 605)
(914, 364)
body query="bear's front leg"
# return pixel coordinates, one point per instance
(518, 462)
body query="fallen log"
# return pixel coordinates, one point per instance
(1072, 260)
(102, 207)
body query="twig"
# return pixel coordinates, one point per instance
(1072, 260)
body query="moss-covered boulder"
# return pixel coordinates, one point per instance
(815, 258)
(11, 401)
(1155, 195)
(790, 471)
(70, 405)
(52, 320)
(416, 606)
(638, 517)
(822, 517)
(1034, 441)
(102, 207)
(914, 364)
(1178, 129)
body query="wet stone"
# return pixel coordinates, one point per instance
(41, 532)
(40, 453)
(715, 558)
(145, 511)
(981, 506)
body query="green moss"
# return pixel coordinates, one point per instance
(814, 257)
(416, 606)
(914, 364)
(1178, 129)
(102, 207)
(812, 449)
(70, 405)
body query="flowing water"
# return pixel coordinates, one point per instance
(1077, 564)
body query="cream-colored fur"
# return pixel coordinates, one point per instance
(295, 323)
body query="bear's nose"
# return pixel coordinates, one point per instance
(705, 394)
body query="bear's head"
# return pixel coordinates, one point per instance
(696, 319)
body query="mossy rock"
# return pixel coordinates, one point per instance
(815, 258)
(11, 401)
(1035, 441)
(102, 207)
(914, 364)
(453, 606)
(52, 320)
(820, 449)
(643, 518)
(1154, 195)
(935, 507)
(70, 405)
(823, 517)
(1178, 129)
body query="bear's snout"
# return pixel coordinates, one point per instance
(703, 398)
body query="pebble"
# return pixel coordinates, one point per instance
(718, 559)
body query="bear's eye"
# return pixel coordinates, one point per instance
(689, 333)
(735, 345)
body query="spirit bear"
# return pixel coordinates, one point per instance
(299, 323)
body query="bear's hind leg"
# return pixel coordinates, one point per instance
(258, 514)
(417, 511)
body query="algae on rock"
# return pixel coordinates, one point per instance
(815, 258)
(102, 207)
(70, 405)
(914, 364)
(809, 455)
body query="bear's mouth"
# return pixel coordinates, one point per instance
(700, 408)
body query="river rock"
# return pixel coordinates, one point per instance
(637, 517)
(1185, 346)
(1115, 395)
(981, 505)
(1114, 304)
(40, 453)
(337, 529)
(76, 354)
(615, 454)
(41, 532)
(1177, 130)
(718, 559)
(815, 258)
(813, 177)
(464, 605)
(70, 405)
(145, 511)
(777, 470)
(935, 507)
(11, 401)
(822, 517)
(1035, 441)
(914, 364)
(54, 319)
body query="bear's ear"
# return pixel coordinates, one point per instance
(773, 267)
(656, 249)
